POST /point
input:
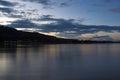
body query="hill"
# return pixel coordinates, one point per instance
(11, 34)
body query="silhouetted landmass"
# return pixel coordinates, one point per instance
(8, 34)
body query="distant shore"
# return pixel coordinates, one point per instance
(12, 36)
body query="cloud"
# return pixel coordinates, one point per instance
(95, 36)
(107, 1)
(51, 4)
(98, 5)
(44, 2)
(107, 38)
(64, 4)
(101, 3)
(23, 24)
(7, 7)
(6, 10)
(101, 35)
(28, 29)
(69, 28)
(115, 10)
(20, 11)
(6, 3)
(67, 3)
(67, 25)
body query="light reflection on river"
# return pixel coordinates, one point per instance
(60, 62)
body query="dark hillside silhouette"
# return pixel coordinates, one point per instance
(11, 34)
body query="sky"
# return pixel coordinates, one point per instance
(76, 19)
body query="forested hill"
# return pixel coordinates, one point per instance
(11, 34)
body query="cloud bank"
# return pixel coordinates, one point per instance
(70, 28)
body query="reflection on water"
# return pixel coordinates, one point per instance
(60, 62)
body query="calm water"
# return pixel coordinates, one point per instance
(60, 62)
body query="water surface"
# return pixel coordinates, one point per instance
(60, 62)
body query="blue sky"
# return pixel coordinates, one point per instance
(81, 19)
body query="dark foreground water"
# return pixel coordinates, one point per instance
(60, 62)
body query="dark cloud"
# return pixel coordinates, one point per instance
(50, 4)
(107, 1)
(98, 5)
(44, 2)
(6, 10)
(102, 3)
(6, 3)
(46, 17)
(63, 4)
(107, 38)
(13, 15)
(66, 3)
(23, 24)
(71, 25)
(7, 7)
(67, 28)
(115, 10)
